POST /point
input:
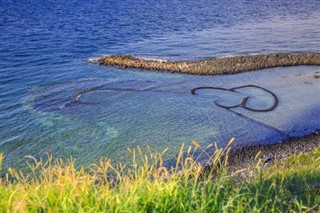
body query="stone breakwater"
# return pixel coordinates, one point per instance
(215, 66)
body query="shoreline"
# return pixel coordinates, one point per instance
(244, 158)
(217, 66)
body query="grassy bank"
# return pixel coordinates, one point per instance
(147, 186)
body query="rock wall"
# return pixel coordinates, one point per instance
(228, 65)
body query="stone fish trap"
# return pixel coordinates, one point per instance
(75, 102)
(290, 108)
(49, 99)
(242, 104)
(244, 101)
(163, 112)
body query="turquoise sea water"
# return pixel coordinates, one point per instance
(44, 52)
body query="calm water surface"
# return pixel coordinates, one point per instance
(44, 51)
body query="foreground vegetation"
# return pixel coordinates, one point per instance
(148, 186)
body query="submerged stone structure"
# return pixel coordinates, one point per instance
(215, 66)
(258, 109)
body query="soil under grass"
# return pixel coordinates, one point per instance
(271, 153)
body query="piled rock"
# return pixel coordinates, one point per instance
(214, 66)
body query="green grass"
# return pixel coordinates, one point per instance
(147, 186)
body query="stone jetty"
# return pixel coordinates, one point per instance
(214, 66)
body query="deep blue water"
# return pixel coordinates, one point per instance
(45, 42)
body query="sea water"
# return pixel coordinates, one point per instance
(45, 47)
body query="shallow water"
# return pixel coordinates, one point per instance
(97, 117)
(44, 52)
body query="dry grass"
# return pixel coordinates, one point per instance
(148, 186)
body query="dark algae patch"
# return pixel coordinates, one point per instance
(215, 66)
